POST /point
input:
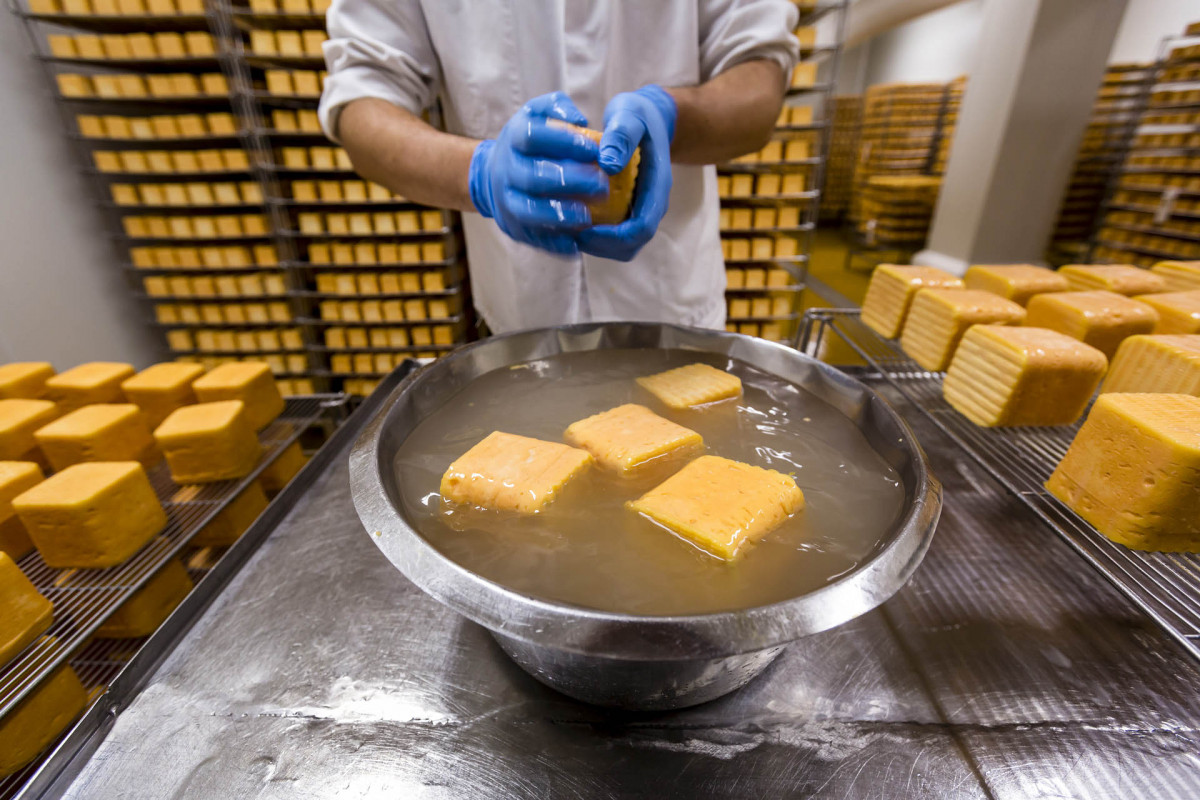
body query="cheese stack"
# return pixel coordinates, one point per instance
(1123, 279)
(938, 318)
(1101, 319)
(1016, 282)
(892, 290)
(1156, 364)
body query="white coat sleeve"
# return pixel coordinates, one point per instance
(377, 48)
(733, 31)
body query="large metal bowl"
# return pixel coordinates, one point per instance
(625, 660)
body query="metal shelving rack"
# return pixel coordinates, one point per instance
(1164, 585)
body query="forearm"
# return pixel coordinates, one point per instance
(728, 116)
(399, 150)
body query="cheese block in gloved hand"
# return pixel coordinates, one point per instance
(615, 207)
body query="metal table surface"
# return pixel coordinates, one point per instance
(1005, 669)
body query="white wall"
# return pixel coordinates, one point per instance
(1145, 24)
(62, 296)
(937, 46)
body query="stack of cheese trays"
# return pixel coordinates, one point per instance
(843, 147)
(947, 124)
(75, 450)
(897, 209)
(1026, 346)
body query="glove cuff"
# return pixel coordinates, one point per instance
(662, 100)
(477, 179)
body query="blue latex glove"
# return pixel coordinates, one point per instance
(532, 177)
(645, 117)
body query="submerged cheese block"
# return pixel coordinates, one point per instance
(233, 520)
(1178, 312)
(615, 207)
(160, 389)
(1016, 282)
(279, 472)
(19, 419)
(505, 472)
(209, 442)
(249, 381)
(149, 606)
(1133, 471)
(938, 318)
(24, 379)
(628, 437)
(1156, 364)
(1180, 276)
(1123, 279)
(99, 432)
(26, 613)
(693, 385)
(38, 719)
(891, 292)
(1003, 376)
(722, 506)
(15, 478)
(1101, 319)
(94, 382)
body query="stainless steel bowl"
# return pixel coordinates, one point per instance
(625, 660)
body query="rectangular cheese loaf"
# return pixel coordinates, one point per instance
(39, 719)
(630, 437)
(1102, 319)
(1016, 282)
(938, 318)
(24, 380)
(15, 478)
(1156, 364)
(149, 606)
(209, 442)
(1180, 276)
(692, 385)
(1178, 312)
(1123, 279)
(160, 389)
(891, 292)
(506, 472)
(27, 614)
(99, 432)
(94, 382)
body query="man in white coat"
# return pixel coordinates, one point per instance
(692, 82)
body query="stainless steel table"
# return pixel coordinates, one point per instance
(1005, 669)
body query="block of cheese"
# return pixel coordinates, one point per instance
(209, 442)
(18, 421)
(99, 432)
(629, 438)
(91, 515)
(614, 207)
(1180, 276)
(1178, 312)
(279, 472)
(506, 472)
(27, 614)
(1016, 282)
(26, 379)
(160, 389)
(234, 519)
(1101, 319)
(248, 381)
(149, 606)
(1133, 471)
(1156, 364)
(1123, 279)
(1003, 376)
(94, 382)
(891, 292)
(39, 719)
(938, 318)
(693, 385)
(15, 478)
(721, 506)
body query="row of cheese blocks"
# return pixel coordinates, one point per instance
(1165, 140)
(804, 75)
(268, 340)
(278, 364)
(374, 363)
(772, 331)
(287, 43)
(165, 162)
(1181, 248)
(351, 253)
(228, 342)
(333, 158)
(760, 247)
(778, 150)
(364, 387)
(781, 305)
(1145, 219)
(1180, 73)
(158, 126)
(356, 283)
(251, 285)
(794, 115)
(1152, 117)
(295, 82)
(741, 219)
(165, 44)
(132, 86)
(757, 278)
(294, 7)
(187, 194)
(764, 185)
(230, 313)
(1120, 255)
(1167, 162)
(1135, 180)
(342, 192)
(228, 257)
(382, 338)
(429, 221)
(188, 227)
(413, 310)
(300, 120)
(117, 8)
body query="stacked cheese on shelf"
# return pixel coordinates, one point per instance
(134, 46)
(168, 162)
(244, 193)
(159, 126)
(132, 86)
(119, 8)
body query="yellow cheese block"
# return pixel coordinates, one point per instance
(722, 506)
(630, 437)
(99, 432)
(1178, 312)
(18, 421)
(248, 381)
(891, 292)
(1004, 376)
(506, 472)
(91, 515)
(938, 318)
(39, 719)
(160, 389)
(1180, 276)
(1133, 471)
(234, 519)
(1156, 364)
(285, 466)
(1120, 278)
(209, 442)
(149, 606)
(615, 207)
(1101, 319)
(95, 382)
(26, 380)
(693, 385)
(15, 478)
(27, 614)
(1016, 282)
(14, 539)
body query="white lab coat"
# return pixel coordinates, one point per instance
(485, 59)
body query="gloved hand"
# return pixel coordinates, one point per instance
(645, 117)
(533, 177)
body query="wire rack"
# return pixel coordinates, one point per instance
(1164, 585)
